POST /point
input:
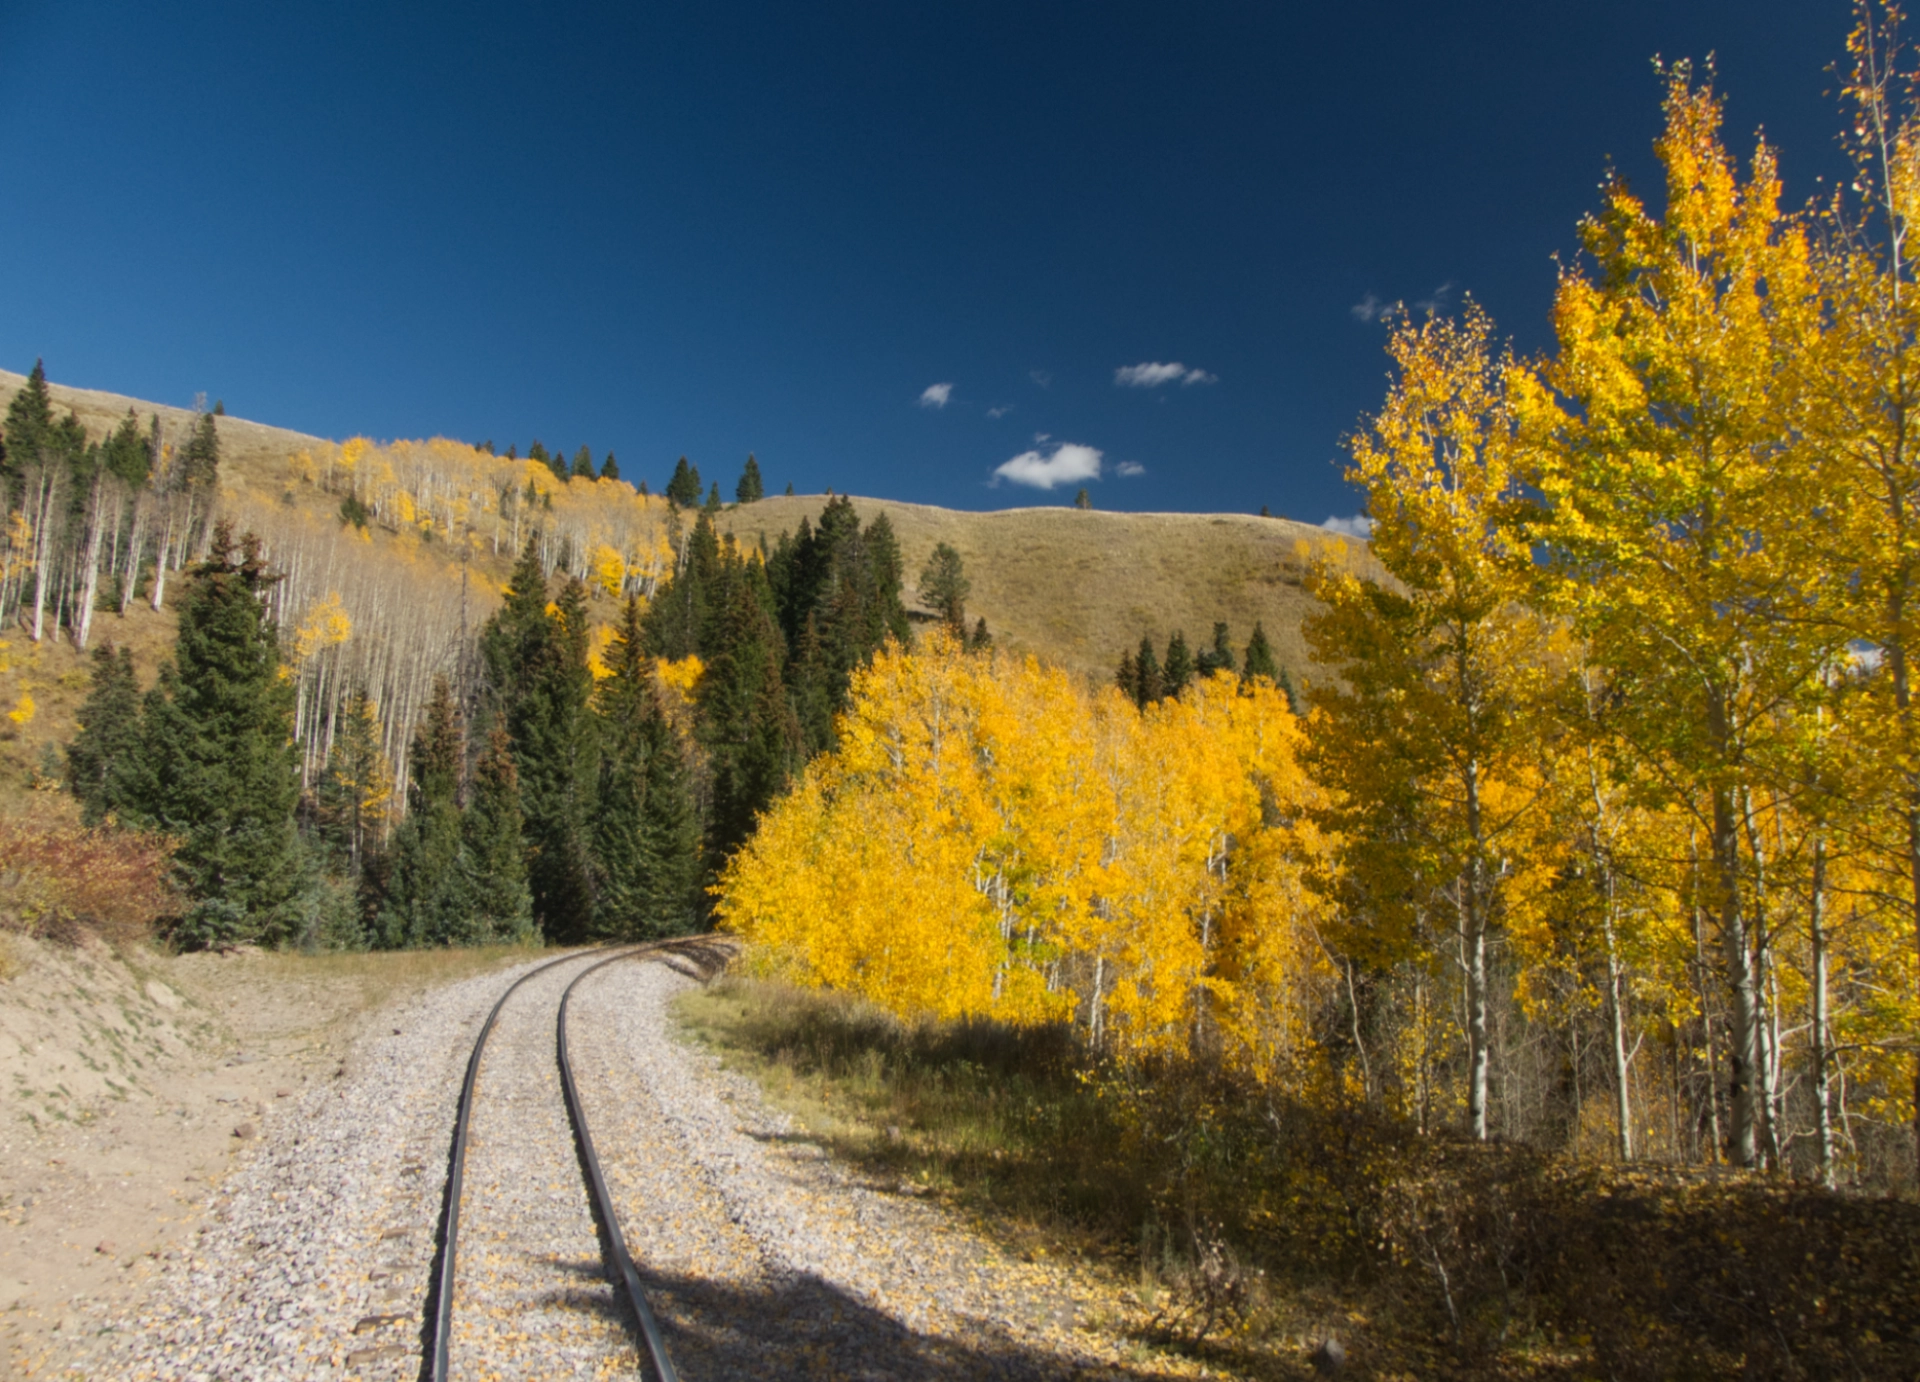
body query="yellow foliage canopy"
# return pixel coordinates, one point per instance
(992, 839)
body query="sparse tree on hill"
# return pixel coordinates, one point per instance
(1260, 661)
(583, 463)
(1149, 685)
(1178, 670)
(684, 488)
(751, 486)
(1083, 500)
(944, 588)
(611, 471)
(1218, 658)
(713, 499)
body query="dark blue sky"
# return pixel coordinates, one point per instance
(712, 229)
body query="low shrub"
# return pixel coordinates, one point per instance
(59, 880)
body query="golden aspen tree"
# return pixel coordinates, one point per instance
(1863, 403)
(1676, 500)
(1427, 742)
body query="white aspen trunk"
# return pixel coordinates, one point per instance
(160, 562)
(1623, 1102)
(1744, 1040)
(90, 563)
(136, 534)
(1822, 1091)
(45, 507)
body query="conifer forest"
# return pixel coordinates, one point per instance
(1593, 829)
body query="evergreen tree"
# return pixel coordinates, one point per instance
(1260, 661)
(583, 463)
(645, 832)
(1127, 678)
(29, 425)
(423, 904)
(1219, 658)
(355, 790)
(125, 453)
(751, 734)
(1177, 673)
(846, 582)
(552, 742)
(200, 458)
(944, 588)
(789, 489)
(1150, 686)
(220, 771)
(684, 488)
(642, 489)
(611, 471)
(981, 641)
(1083, 500)
(712, 505)
(750, 487)
(103, 761)
(678, 622)
(493, 861)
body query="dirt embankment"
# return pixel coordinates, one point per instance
(134, 1081)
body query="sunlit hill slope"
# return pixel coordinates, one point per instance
(384, 603)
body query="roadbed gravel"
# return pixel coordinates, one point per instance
(763, 1258)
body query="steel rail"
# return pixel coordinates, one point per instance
(602, 1199)
(456, 1170)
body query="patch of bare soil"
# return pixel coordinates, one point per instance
(130, 1084)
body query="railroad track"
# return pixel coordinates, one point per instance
(616, 1260)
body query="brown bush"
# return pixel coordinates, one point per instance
(1658, 1273)
(59, 880)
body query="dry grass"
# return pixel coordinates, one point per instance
(1080, 587)
(1239, 1228)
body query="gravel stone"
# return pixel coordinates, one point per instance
(763, 1257)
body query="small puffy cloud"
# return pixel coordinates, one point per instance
(1000, 411)
(1041, 378)
(1069, 463)
(1436, 304)
(1131, 468)
(1359, 526)
(1151, 375)
(936, 395)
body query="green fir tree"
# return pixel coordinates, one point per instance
(750, 488)
(105, 758)
(221, 772)
(684, 488)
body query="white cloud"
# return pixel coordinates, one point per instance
(1436, 304)
(1359, 526)
(1148, 376)
(1131, 468)
(936, 395)
(1000, 411)
(1152, 374)
(1040, 377)
(1371, 309)
(1068, 464)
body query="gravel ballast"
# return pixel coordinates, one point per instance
(763, 1258)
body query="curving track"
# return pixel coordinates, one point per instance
(528, 1285)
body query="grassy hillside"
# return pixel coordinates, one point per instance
(1077, 587)
(1080, 587)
